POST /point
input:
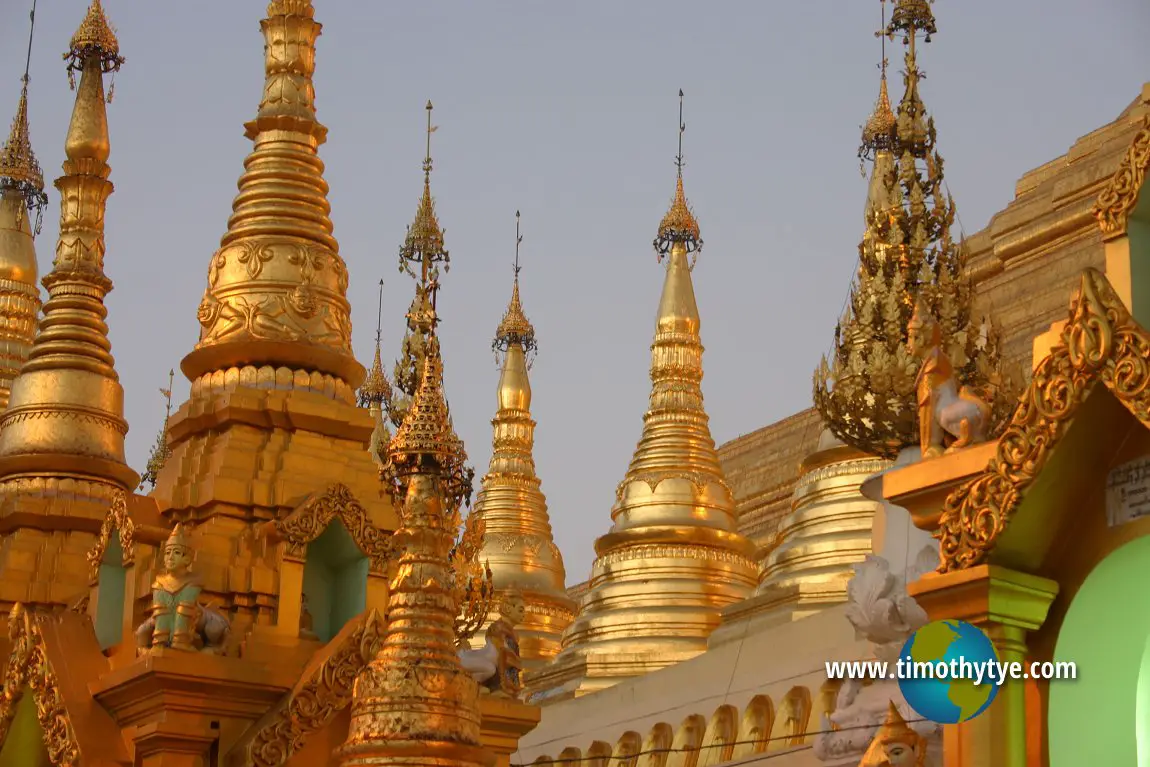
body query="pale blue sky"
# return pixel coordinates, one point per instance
(566, 111)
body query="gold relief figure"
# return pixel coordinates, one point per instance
(178, 620)
(895, 744)
(949, 417)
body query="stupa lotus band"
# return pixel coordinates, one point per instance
(300, 575)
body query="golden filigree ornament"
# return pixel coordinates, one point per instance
(473, 586)
(865, 390)
(161, 450)
(679, 224)
(1101, 344)
(376, 389)
(1120, 195)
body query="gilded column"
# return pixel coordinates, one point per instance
(22, 203)
(673, 558)
(518, 543)
(65, 416)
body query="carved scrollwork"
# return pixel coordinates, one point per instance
(315, 702)
(1120, 194)
(1100, 344)
(28, 669)
(116, 521)
(308, 521)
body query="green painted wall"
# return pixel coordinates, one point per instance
(110, 595)
(24, 745)
(334, 580)
(1103, 717)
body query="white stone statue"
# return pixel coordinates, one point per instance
(883, 613)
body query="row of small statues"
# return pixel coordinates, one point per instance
(179, 621)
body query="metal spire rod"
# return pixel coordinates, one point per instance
(882, 34)
(518, 239)
(682, 128)
(31, 31)
(379, 315)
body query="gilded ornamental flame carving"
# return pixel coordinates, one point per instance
(1101, 344)
(277, 286)
(866, 390)
(312, 516)
(28, 671)
(1117, 200)
(119, 523)
(314, 702)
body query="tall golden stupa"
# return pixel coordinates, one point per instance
(301, 585)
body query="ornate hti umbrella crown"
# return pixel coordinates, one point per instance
(515, 328)
(865, 391)
(424, 241)
(19, 169)
(879, 133)
(679, 223)
(95, 41)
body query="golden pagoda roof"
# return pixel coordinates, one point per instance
(277, 285)
(424, 240)
(879, 131)
(678, 224)
(515, 328)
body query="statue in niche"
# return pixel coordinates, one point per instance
(306, 622)
(497, 666)
(950, 416)
(884, 614)
(895, 744)
(178, 620)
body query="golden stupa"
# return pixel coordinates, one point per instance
(674, 557)
(517, 541)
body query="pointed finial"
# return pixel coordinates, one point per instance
(376, 389)
(679, 224)
(515, 329)
(19, 169)
(430, 129)
(379, 315)
(160, 450)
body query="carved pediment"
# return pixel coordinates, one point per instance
(1101, 345)
(324, 689)
(1120, 195)
(129, 527)
(311, 517)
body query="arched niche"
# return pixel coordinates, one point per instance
(23, 745)
(110, 594)
(794, 715)
(755, 728)
(627, 749)
(721, 732)
(567, 756)
(598, 755)
(688, 738)
(334, 580)
(655, 747)
(1103, 716)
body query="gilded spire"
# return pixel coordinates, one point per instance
(865, 392)
(277, 286)
(22, 202)
(161, 450)
(423, 246)
(518, 540)
(416, 686)
(70, 369)
(673, 557)
(879, 132)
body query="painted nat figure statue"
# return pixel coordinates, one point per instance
(178, 620)
(950, 416)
